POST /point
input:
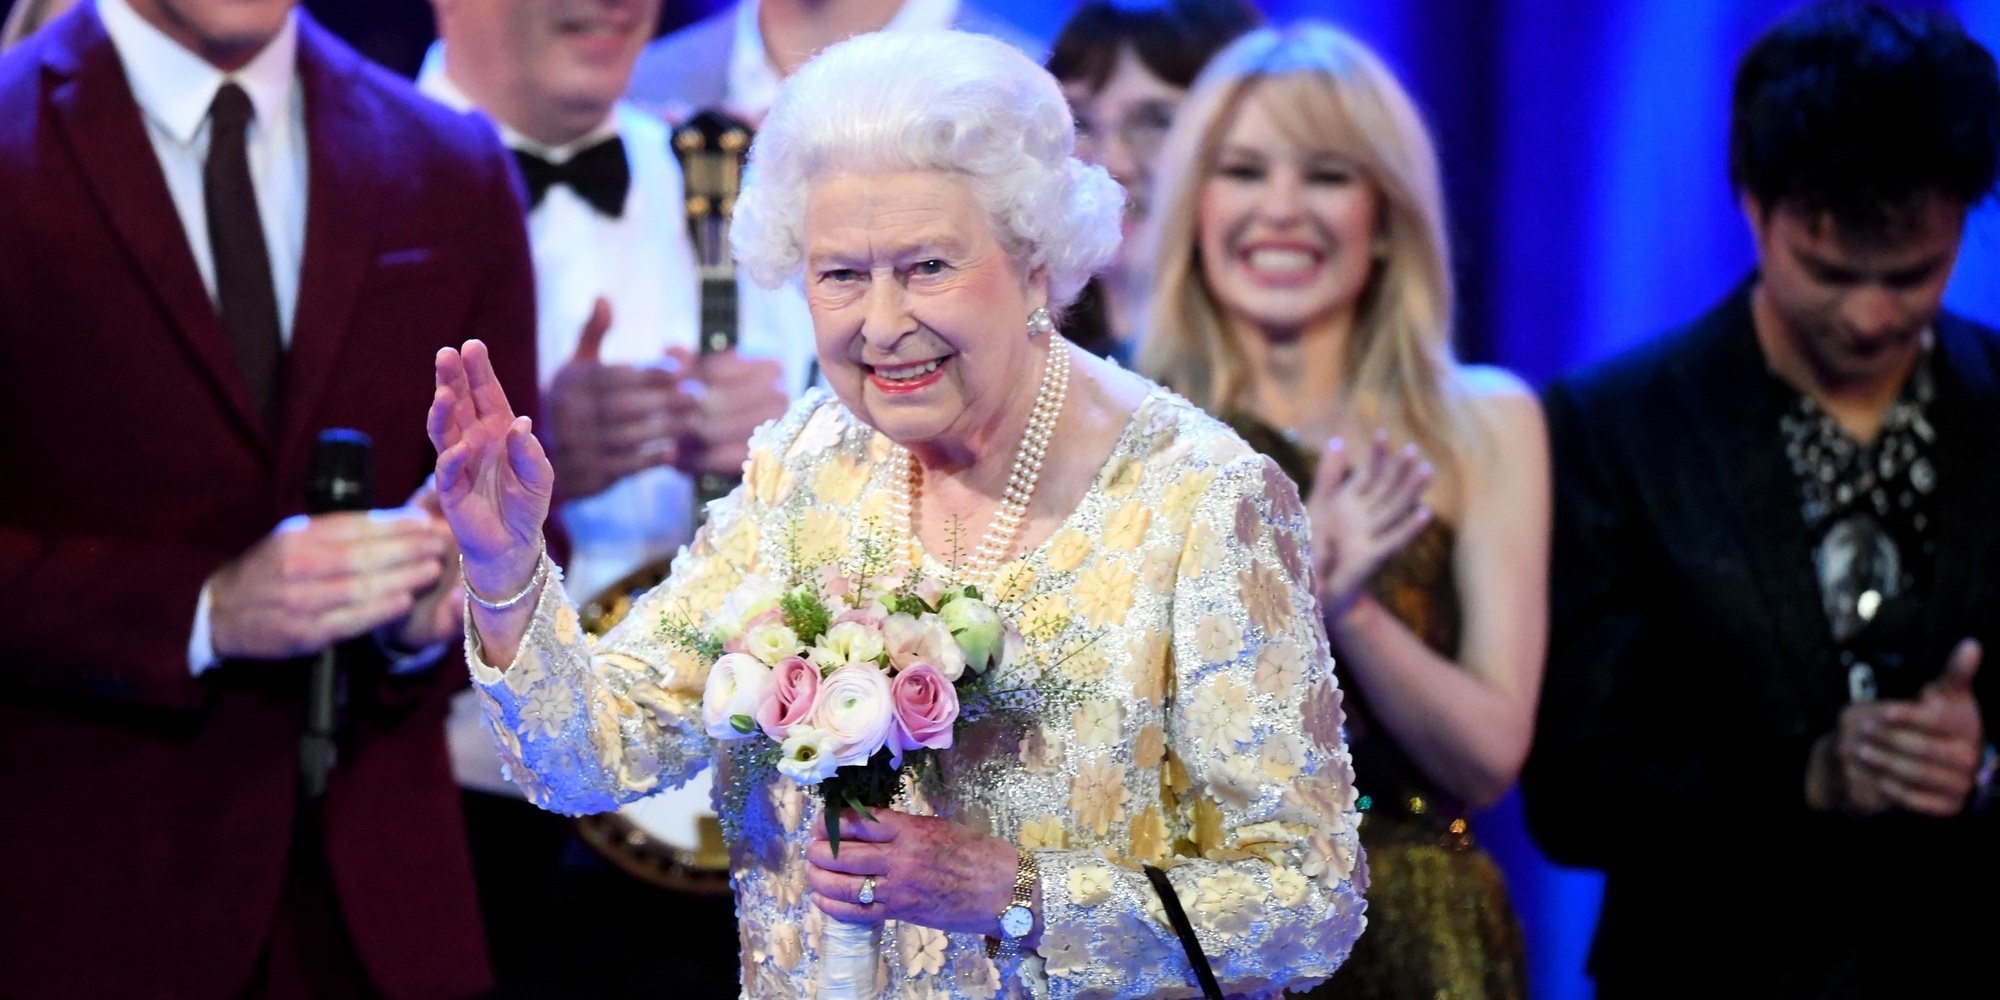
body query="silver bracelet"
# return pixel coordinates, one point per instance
(535, 581)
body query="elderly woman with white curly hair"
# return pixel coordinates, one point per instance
(921, 186)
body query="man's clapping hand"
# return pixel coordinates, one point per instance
(1920, 755)
(695, 413)
(608, 421)
(723, 399)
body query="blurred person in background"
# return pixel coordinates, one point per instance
(1776, 558)
(735, 59)
(229, 268)
(1125, 66)
(1302, 291)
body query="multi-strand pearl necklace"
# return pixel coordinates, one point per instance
(1028, 458)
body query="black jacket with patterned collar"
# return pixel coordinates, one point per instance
(1691, 669)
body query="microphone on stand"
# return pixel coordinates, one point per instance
(342, 479)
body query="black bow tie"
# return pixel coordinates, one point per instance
(599, 175)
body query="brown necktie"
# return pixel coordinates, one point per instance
(249, 305)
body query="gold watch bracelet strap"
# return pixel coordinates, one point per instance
(1026, 874)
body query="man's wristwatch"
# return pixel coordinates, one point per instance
(1019, 916)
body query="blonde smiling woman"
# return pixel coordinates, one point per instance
(1302, 292)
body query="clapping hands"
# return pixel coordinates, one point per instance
(1918, 755)
(695, 413)
(608, 421)
(1361, 515)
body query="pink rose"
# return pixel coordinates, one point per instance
(888, 582)
(926, 706)
(788, 699)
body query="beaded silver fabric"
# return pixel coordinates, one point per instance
(1205, 734)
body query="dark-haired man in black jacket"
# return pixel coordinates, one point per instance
(1777, 558)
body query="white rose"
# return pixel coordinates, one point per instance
(807, 756)
(729, 703)
(911, 640)
(977, 628)
(847, 642)
(856, 710)
(772, 644)
(827, 663)
(754, 596)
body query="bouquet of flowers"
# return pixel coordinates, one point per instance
(846, 688)
(844, 681)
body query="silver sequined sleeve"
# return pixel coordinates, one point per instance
(1262, 821)
(582, 727)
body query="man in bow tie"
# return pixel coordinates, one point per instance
(632, 411)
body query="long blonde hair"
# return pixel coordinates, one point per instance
(1319, 83)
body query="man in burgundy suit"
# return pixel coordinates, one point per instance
(225, 232)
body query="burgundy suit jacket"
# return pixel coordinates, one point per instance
(148, 813)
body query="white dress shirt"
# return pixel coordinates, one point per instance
(174, 88)
(643, 264)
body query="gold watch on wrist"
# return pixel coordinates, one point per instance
(1019, 916)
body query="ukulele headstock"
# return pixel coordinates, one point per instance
(712, 148)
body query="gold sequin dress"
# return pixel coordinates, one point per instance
(1439, 922)
(1207, 737)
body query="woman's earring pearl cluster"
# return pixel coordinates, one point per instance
(1040, 323)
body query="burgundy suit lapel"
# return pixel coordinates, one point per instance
(345, 184)
(100, 121)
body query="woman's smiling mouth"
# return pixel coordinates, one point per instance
(907, 377)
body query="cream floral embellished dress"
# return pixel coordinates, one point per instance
(1201, 729)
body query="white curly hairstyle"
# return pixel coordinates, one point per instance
(931, 100)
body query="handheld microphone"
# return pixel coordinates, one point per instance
(342, 479)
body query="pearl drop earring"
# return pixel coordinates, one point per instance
(1040, 323)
